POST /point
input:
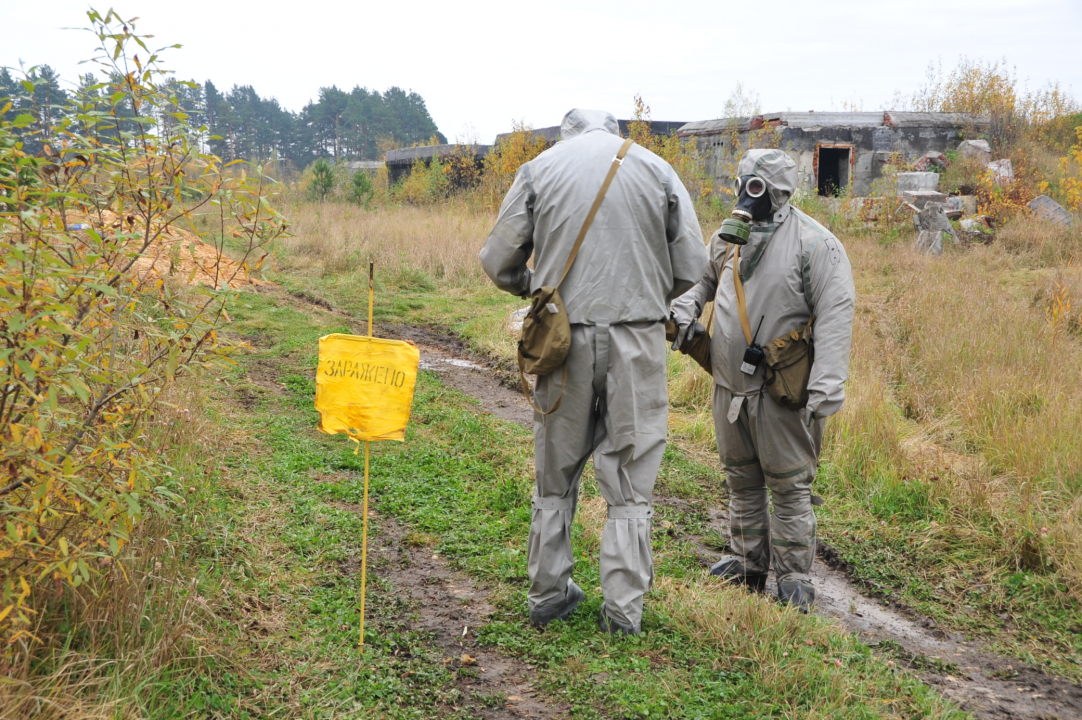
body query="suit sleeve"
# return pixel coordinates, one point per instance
(828, 280)
(510, 244)
(687, 253)
(691, 303)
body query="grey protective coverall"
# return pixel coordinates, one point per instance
(644, 248)
(791, 267)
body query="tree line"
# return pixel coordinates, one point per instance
(239, 124)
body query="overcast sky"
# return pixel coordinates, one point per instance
(480, 65)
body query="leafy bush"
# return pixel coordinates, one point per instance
(90, 334)
(506, 158)
(426, 183)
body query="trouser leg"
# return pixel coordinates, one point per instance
(788, 451)
(749, 520)
(792, 528)
(563, 441)
(627, 461)
(749, 523)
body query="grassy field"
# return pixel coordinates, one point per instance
(952, 481)
(954, 473)
(261, 577)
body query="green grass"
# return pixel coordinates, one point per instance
(278, 531)
(879, 515)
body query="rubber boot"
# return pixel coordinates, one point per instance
(612, 627)
(797, 593)
(542, 616)
(731, 569)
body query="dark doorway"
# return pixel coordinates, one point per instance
(833, 173)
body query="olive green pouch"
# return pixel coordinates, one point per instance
(788, 367)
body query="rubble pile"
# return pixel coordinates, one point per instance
(176, 254)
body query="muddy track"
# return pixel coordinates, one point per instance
(988, 685)
(453, 607)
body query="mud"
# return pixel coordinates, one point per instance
(986, 684)
(452, 607)
(497, 387)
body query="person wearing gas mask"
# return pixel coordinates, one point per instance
(779, 357)
(642, 248)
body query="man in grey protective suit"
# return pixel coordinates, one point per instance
(644, 248)
(792, 269)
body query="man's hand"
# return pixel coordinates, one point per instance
(687, 329)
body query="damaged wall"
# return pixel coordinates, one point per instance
(832, 148)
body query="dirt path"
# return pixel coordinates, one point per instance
(451, 606)
(988, 685)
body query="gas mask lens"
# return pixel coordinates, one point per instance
(755, 187)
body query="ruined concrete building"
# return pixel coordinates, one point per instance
(399, 162)
(832, 149)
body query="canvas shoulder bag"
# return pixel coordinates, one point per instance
(546, 331)
(788, 357)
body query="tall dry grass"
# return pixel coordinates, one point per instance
(803, 662)
(441, 241)
(964, 402)
(121, 644)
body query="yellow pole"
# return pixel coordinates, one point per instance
(364, 540)
(364, 512)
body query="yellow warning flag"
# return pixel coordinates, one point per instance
(364, 386)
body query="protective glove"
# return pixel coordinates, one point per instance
(687, 332)
(809, 416)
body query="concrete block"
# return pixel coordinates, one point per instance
(976, 150)
(1045, 208)
(929, 242)
(1002, 171)
(959, 205)
(920, 198)
(917, 181)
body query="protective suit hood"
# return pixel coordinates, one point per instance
(578, 122)
(776, 168)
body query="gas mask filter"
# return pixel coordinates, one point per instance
(752, 203)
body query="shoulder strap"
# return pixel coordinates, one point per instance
(741, 306)
(616, 162)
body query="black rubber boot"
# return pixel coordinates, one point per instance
(612, 627)
(797, 593)
(542, 616)
(731, 569)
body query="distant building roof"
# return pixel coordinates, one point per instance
(809, 120)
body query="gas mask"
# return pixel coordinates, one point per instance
(752, 203)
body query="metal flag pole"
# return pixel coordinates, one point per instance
(364, 526)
